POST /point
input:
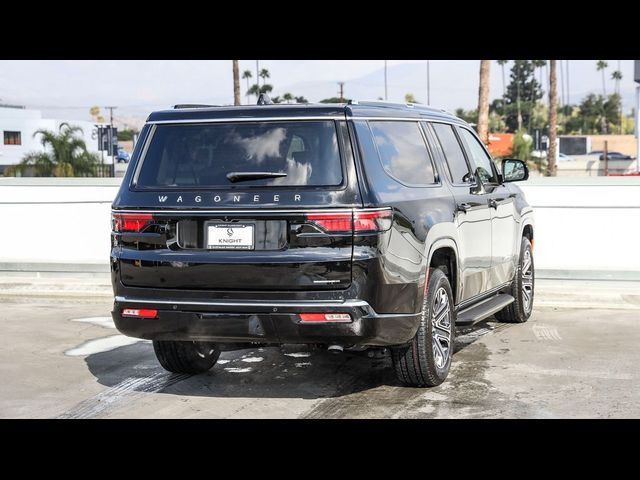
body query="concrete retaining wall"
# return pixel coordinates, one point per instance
(584, 226)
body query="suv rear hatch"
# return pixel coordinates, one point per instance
(252, 205)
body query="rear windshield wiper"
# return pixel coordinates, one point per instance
(244, 176)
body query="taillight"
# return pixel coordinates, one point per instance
(325, 317)
(357, 221)
(372, 220)
(332, 222)
(139, 312)
(130, 222)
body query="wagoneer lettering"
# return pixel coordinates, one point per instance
(348, 226)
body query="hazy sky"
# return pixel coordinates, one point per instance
(68, 88)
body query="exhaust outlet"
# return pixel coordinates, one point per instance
(335, 349)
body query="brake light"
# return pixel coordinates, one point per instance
(139, 312)
(372, 220)
(130, 222)
(358, 221)
(332, 222)
(325, 317)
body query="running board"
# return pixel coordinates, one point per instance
(484, 309)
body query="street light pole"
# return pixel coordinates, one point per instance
(385, 80)
(428, 84)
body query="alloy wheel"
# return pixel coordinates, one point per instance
(441, 327)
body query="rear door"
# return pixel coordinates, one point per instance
(240, 206)
(472, 216)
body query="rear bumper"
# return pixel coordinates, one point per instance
(263, 322)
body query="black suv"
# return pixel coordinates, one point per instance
(353, 226)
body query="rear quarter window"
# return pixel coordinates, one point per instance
(403, 152)
(202, 155)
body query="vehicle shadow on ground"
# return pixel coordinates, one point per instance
(270, 372)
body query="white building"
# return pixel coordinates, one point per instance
(17, 128)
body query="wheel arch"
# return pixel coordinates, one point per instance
(444, 253)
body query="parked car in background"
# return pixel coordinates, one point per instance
(616, 156)
(565, 158)
(123, 156)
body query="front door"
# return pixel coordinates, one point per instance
(472, 216)
(504, 227)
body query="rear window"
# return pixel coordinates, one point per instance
(204, 155)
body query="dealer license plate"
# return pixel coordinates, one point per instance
(230, 237)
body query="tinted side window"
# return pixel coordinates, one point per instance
(478, 156)
(403, 153)
(453, 153)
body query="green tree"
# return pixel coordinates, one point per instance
(246, 75)
(301, 99)
(287, 97)
(65, 155)
(601, 66)
(469, 116)
(264, 74)
(127, 134)
(522, 94)
(410, 98)
(334, 100)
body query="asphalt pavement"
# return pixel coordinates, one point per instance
(60, 357)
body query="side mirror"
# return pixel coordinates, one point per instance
(514, 170)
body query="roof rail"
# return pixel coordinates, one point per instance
(384, 103)
(193, 105)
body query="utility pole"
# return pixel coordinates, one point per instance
(385, 80)
(341, 91)
(428, 84)
(568, 89)
(110, 151)
(258, 73)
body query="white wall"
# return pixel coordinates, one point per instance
(56, 220)
(586, 223)
(581, 224)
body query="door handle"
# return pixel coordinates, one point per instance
(463, 207)
(493, 203)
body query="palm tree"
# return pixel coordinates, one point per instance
(65, 155)
(287, 97)
(264, 74)
(553, 119)
(266, 88)
(502, 63)
(617, 76)
(483, 101)
(254, 90)
(601, 66)
(301, 99)
(236, 83)
(246, 75)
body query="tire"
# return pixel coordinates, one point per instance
(422, 363)
(520, 310)
(186, 357)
